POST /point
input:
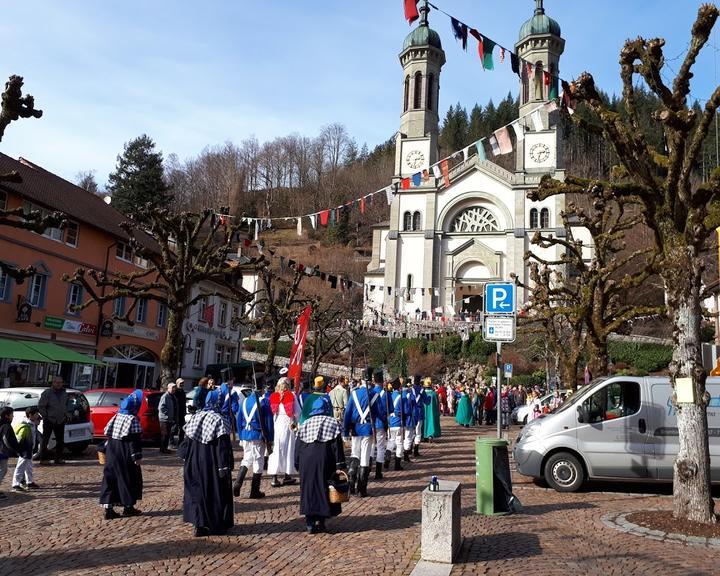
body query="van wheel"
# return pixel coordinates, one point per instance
(564, 472)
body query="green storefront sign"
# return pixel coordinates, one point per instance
(53, 323)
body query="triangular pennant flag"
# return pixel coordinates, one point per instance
(299, 226)
(333, 281)
(480, 150)
(257, 229)
(515, 63)
(466, 152)
(313, 221)
(416, 179)
(389, 194)
(324, 215)
(333, 217)
(422, 291)
(411, 11)
(389, 289)
(323, 276)
(553, 91)
(519, 131)
(405, 185)
(494, 145)
(460, 31)
(445, 172)
(502, 55)
(487, 58)
(536, 119)
(436, 171)
(503, 139)
(436, 291)
(362, 205)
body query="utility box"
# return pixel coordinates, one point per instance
(493, 484)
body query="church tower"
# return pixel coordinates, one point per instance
(541, 45)
(422, 57)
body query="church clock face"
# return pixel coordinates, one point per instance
(415, 159)
(539, 153)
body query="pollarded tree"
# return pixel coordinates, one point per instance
(593, 289)
(138, 180)
(182, 250)
(682, 215)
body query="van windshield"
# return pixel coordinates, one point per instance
(575, 397)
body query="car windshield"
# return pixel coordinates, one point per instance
(93, 398)
(573, 398)
(113, 398)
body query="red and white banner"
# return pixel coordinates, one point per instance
(298, 347)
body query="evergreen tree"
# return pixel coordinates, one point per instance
(477, 124)
(138, 178)
(454, 131)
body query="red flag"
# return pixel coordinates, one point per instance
(481, 50)
(209, 314)
(445, 173)
(362, 205)
(405, 184)
(298, 347)
(411, 11)
(324, 217)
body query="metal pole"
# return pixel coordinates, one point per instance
(497, 392)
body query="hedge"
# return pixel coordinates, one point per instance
(644, 358)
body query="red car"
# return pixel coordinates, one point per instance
(104, 402)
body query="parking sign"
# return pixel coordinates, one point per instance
(500, 298)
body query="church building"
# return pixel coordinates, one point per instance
(447, 237)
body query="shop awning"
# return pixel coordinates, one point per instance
(17, 350)
(42, 352)
(61, 354)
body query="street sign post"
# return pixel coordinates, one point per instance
(500, 298)
(508, 371)
(499, 329)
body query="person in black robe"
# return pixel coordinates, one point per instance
(207, 472)
(318, 455)
(122, 482)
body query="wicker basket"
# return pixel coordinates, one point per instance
(340, 491)
(101, 458)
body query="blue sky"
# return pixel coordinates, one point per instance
(196, 74)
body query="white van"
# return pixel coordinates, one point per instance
(618, 428)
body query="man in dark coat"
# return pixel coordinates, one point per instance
(207, 472)
(318, 454)
(122, 482)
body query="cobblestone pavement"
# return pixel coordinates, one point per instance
(59, 529)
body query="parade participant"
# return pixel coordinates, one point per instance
(442, 399)
(207, 470)
(122, 482)
(383, 406)
(431, 424)
(410, 421)
(316, 399)
(339, 398)
(201, 393)
(26, 434)
(231, 401)
(318, 454)
(395, 421)
(304, 393)
(359, 424)
(286, 412)
(420, 400)
(464, 415)
(255, 435)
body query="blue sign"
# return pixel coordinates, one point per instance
(508, 370)
(500, 298)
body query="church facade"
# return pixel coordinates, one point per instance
(447, 237)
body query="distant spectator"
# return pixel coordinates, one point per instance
(167, 414)
(26, 433)
(53, 409)
(201, 393)
(8, 443)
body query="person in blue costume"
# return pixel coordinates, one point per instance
(207, 470)
(359, 425)
(383, 407)
(395, 422)
(254, 420)
(420, 401)
(410, 419)
(122, 482)
(318, 398)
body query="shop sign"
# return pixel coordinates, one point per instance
(106, 328)
(24, 312)
(72, 326)
(137, 331)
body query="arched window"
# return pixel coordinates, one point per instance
(430, 89)
(406, 98)
(539, 81)
(544, 218)
(407, 221)
(417, 92)
(416, 224)
(525, 85)
(474, 219)
(533, 218)
(408, 290)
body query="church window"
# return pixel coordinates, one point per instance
(416, 224)
(406, 99)
(417, 91)
(539, 81)
(475, 219)
(533, 218)
(430, 91)
(407, 221)
(544, 218)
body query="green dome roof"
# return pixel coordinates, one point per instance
(422, 36)
(540, 23)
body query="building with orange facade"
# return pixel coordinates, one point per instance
(91, 239)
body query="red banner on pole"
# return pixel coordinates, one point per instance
(298, 347)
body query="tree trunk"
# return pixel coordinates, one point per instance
(692, 497)
(170, 353)
(271, 351)
(597, 354)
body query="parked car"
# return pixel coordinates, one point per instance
(105, 402)
(78, 428)
(520, 413)
(617, 428)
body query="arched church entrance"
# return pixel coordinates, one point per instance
(470, 280)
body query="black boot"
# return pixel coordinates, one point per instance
(110, 514)
(353, 474)
(239, 481)
(255, 487)
(398, 466)
(406, 455)
(378, 471)
(416, 450)
(363, 478)
(388, 454)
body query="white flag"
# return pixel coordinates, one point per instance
(257, 229)
(389, 194)
(466, 151)
(494, 145)
(536, 118)
(313, 221)
(437, 172)
(519, 130)
(299, 226)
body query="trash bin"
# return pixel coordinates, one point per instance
(492, 476)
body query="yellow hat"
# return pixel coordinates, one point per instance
(427, 383)
(319, 381)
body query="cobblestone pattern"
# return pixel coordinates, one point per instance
(618, 521)
(59, 529)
